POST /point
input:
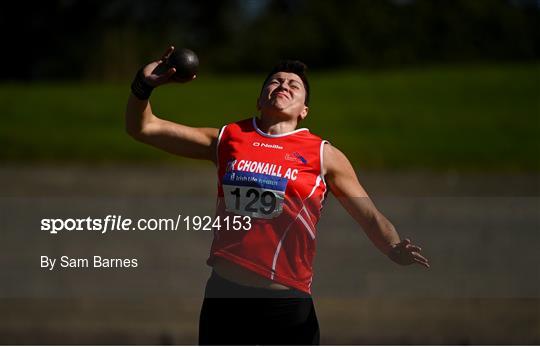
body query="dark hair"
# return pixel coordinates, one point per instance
(293, 66)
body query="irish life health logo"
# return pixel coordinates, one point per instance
(296, 157)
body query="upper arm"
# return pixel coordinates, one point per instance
(340, 175)
(190, 142)
(186, 141)
(343, 183)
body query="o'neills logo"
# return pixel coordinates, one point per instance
(266, 145)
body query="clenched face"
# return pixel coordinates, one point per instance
(284, 94)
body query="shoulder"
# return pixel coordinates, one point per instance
(243, 125)
(334, 159)
(235, 129)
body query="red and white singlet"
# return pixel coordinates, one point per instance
(277, 181)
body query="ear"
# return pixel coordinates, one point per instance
(304, 113)
(258, 104)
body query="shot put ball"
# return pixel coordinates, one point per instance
(185, 61)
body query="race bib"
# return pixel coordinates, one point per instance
(254, 194)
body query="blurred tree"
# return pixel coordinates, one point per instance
(65, 39)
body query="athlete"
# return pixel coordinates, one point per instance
(272, 177)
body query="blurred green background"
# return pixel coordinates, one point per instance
(395, 84)
(461, 117)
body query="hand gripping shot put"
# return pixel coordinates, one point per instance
(277, 174)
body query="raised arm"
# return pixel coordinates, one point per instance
(144, 126)
(344, 184)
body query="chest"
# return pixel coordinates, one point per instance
(293, 160)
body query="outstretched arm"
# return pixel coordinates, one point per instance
(144, 126)
(344, 184)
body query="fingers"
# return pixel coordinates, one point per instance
(406, 244)
(423, 263)
(406, 253)
(167, 53)
(166, 76)
(418, 258)
(170, 72)
(413, 248)
(183, 79)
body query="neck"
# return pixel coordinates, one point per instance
(275, 125)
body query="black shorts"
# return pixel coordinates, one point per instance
(233, 314)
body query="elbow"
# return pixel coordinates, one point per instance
(137, 129)
(137, 124)
(135, 132)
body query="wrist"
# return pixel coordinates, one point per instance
(140, 88)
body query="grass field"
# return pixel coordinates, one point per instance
(473, 117)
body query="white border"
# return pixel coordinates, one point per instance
(260, 132)
(302, 219)
(221, 131)
(321, 156)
